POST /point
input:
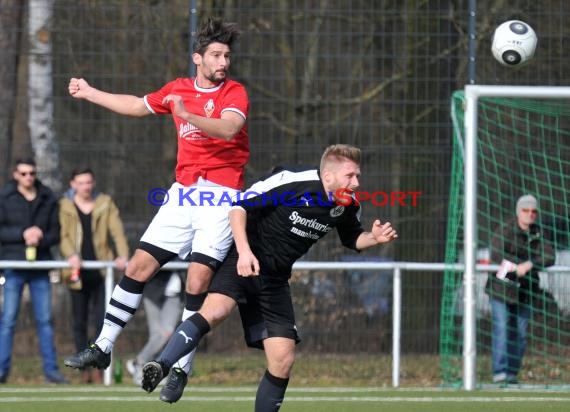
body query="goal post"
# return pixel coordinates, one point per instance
(517, 115)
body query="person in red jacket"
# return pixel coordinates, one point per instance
(209, 113)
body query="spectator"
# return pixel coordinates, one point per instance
(523, 249)
(89, 221)
(162, 301)
(28, 229)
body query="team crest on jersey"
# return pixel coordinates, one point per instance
(209, 108)
(337, 211)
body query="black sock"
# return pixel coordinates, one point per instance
(184, 339)
(270, 393)
(194, 302)
(131, 285)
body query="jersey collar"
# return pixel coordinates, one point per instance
(208, 90)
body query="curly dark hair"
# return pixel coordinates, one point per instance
(215, 30)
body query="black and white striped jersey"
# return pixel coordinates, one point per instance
(290, 211)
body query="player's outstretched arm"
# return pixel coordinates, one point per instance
(124, 104)
(380, 233)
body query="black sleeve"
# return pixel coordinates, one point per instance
(350, 228)
(503, 244)
(542, 250)
(9, 232)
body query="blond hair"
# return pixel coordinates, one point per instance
(338, 153)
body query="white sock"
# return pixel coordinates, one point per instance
(117, 317)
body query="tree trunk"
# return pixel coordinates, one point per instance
(10, 17)
(40, 93)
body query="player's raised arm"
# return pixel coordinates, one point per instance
(124, 104)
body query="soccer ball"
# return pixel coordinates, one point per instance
(514, 43)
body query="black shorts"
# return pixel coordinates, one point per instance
(264, 302)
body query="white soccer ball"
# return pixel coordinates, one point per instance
(514, 43)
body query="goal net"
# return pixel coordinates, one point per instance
(522, 147)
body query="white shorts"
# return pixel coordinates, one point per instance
(193, 219)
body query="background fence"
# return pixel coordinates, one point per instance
(374, 73)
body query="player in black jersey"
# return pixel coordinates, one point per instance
(274, 223)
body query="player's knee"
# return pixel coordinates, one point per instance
(288, 362)
(196, 285)
(198, 278)
(140, 271)
(215, 314)
(282, 364)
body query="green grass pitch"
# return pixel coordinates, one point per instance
(123, 398)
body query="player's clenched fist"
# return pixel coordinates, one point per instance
(78, 88)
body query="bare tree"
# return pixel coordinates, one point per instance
(10, 18)
(40, 92)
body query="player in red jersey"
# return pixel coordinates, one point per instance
(210, 113)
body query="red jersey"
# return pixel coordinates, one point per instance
(201, 155)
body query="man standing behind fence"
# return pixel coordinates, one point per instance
(522, 247)
(29, 227)
(89, 221)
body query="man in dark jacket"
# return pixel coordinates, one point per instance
(29, 227)
(522, 249)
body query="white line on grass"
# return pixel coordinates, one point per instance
(253, 389)
(198, 389)
(375, 399)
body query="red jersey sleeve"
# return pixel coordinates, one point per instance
(153, 100)
(236, 99)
